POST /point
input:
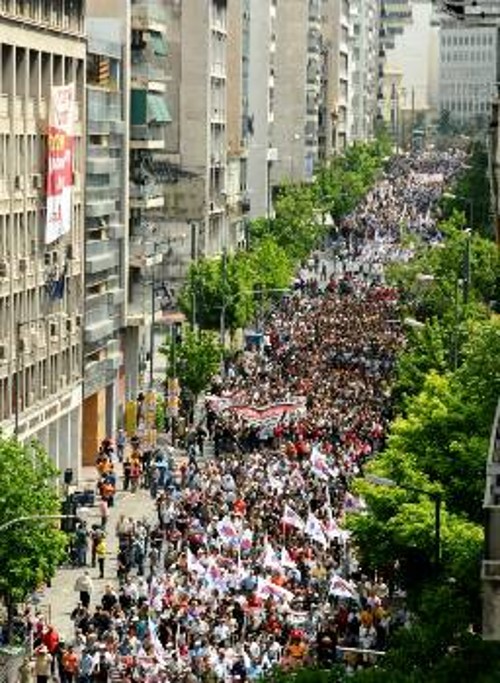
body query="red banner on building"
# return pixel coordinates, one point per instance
(60, 161)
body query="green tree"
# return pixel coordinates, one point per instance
(196, 358)
(31, 549)
(474, 184)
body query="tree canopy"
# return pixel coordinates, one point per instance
(30, 550)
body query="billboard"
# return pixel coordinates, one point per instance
(60, 161)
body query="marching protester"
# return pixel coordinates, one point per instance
(245, 565)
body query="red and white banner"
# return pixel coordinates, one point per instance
(269, 414)
(60, 161)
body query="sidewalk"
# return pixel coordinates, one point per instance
(60, 599)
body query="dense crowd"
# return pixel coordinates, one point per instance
(246, 565)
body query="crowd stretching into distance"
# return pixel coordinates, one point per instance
(245, 564)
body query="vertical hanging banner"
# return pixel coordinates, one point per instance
(60, 161)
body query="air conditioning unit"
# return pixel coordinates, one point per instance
(4, 270)
(18, 182)
(37, 181)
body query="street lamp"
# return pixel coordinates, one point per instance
(30, 518)
(433, 495)
(467, 231)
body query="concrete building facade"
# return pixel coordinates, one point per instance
(41, 285)
(197, 147)
(296, 92)
(468, 71)
(335, 76)
(147, 247)
(364, 58)
(106, 220)
(258, 89)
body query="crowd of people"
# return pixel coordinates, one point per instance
(246, 564)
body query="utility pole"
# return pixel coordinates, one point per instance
(194, 259)
(223, 307)
(152, 332)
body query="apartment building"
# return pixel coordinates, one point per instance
(468, 71)
(395, 15)
(296, 92)
(147, 243)
(106, 219)
(258, 90)
(335, 75)
(237, 155)
(42, 128)
(196, 192)
(363, 68)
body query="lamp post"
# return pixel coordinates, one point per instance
(31, 518)
(435, 496)
(469, 203)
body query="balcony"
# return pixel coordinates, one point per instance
(101, 256)
(148, 109)
(145, 137)
(100, 207)
(146, 197)
(148, 17)
(145, 74)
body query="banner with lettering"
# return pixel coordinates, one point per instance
(60, 161)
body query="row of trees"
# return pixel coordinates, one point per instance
(237, 286)
(445, 394)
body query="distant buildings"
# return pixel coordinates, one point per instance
(468, 71)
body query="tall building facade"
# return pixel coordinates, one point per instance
(147, 243)
(296, 91)
(364, 57)
(106, 220)
(335, 76)
(468, 71)
(258, 90)
(196, 194)
(395, 15)
(41, 274)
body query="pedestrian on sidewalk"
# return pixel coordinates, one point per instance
(104, 512)
(43, 661)
(121, 442)
(85, 587)
(101, 556)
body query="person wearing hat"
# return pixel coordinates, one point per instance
(43, 663)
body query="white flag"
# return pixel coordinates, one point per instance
(291, 518)
(342, 588)
(314, 529)
(270, 559)
(286, 560)
(330, 526)
(193, 565)
(319, 465)
(267, 589)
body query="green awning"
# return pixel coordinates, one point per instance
(148, 107)
(159, 44)
(157, 109)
